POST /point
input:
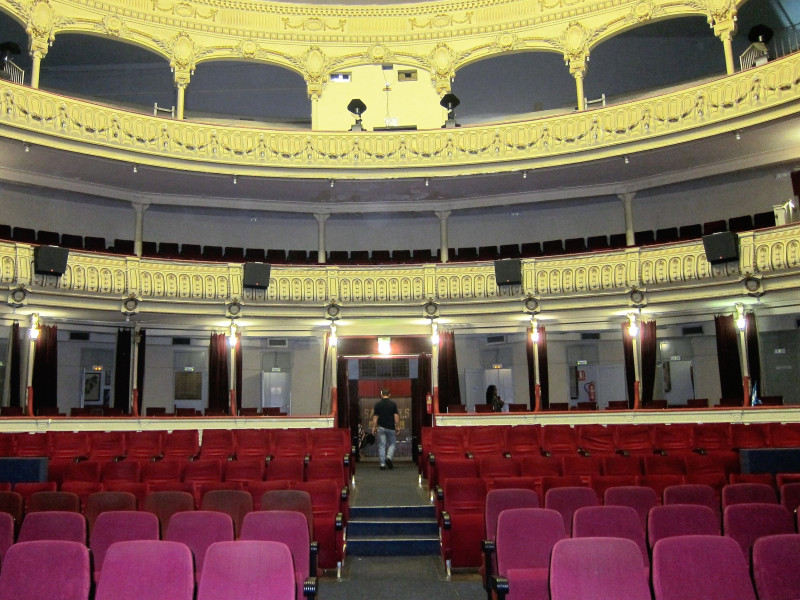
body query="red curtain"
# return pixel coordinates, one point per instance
(122, 370)
(649, 343)
(730, 369)
(627, 351)
(753, 353)
(140, 368)
(13, 370)
(218, 395)
(544, 380)
(449, 389)
(45, 370)
(343, 417)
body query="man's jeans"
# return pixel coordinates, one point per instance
(387, 438)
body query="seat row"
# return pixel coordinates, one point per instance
(468, 507)
(171, 250)
(520, 536)
(599, 440)
(253, 569)
(189, 444)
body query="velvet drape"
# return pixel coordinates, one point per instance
(140, 368)
(730, 369)
(649, 343)
(45, 370)
(627, 352)
(218, 396)
(122, 370)
(753, 354)
(449, 388)
(13, 370)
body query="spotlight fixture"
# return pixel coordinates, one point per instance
(738, 135)
(232, 335)
(34, 330)
(524, 174)
(235, 179)
(741, 320)
(434, 333)
(534, 330)
(332, 311)
(233, 309)
(332, 183)
(27, 147)
(384, 345)
(633, 328)
(130, 305)
(357, 107)
(333, 339)
(427, 182)
(450, 102)
(627, 160)
(135, 168)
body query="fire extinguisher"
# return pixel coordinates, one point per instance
(428, 403)
(591, 391)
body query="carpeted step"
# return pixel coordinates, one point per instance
(392, 531)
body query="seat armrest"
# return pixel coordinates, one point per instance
(488, 547)
(310, 587)
(339, 522)
(446, 519)
(313, 555)
(500, 586)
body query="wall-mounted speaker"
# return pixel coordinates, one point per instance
(256, 275)
(721, 247)
(50, 260)
(508, 271)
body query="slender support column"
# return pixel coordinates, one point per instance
(576, 61)
(36, 69)
(741, 325)
(579, 89)
(637, 400)
(321, 219)
(627, 206)
(33, 335)
(138, 233)
(182, 77)
(136, 339)
(443, 238)
(724, 23)
(537, 404)
(232, 342)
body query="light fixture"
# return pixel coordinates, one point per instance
(34, 330)
(633, 328)
(524, 174)
(427, 182)
(450, 101)
(235, 179)
(534, 330)
(27, 147)
(384, 345)
(135, 168)
(738, 135)
(332, 183)
(434, 333)
(232, 335)
(333, 340)
(357, 107)
(741, 321)
(627, 159)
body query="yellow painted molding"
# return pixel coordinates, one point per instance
(679, 270)
(731, 102)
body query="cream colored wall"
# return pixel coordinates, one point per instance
(407, 103)
(706, 368)
(307, 356)
(557, 370)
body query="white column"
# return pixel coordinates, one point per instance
(134, 370)
(443, 239)
(29, 366)
(321, 218)
(627, 200)
(138, 233)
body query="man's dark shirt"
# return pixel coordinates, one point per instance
(385, 409)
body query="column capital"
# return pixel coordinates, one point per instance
(442, 214)
(626, 197)
(140, 207)
(322, 217)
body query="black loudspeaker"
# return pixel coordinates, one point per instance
(721, 247)
(50, 260)
(508, 272)
(256, 275)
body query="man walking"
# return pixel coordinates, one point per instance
(385, 426)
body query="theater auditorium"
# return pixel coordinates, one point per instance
(563, 235)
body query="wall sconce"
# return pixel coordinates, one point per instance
(384, 345)
(741, 321)
(34, 330)
(434, 333)
(232, 335)
(633, 328)
(534, 331)
(333, 340)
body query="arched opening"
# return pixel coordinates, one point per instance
(248, 91)
(106, 70)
